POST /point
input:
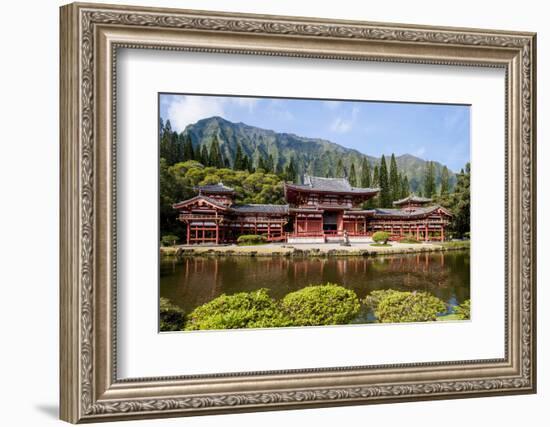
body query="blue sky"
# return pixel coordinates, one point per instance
(438, 132)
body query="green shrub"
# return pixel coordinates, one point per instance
(321, 305)
(392, 306)
(242, 310)
(251, 239)
(169, 240)
(462, 311)
(409, 239)
(172, 318)
(381, 237)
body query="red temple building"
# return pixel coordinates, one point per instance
(319, 210)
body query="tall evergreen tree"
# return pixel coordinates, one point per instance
(460, 203)
(395, 184)
(385, 194)
(245, 163)
(204, 158)
(188, 152)
(376, 177)
(290, 171)
(261, 164)
(352, 175)
(269, 164)
(405, 190)
(366, 181)
(238, 164)
(340, 170)
(165, 141)
(429, 180)
(214, 157)
(445, 182)
(161, 128)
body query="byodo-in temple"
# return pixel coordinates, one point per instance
(320, 210)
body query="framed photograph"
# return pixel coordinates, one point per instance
(266, 212)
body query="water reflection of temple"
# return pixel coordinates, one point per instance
(193, 281)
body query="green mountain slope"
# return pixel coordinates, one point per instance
(311, 155)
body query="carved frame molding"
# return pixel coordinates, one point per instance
(90, 35)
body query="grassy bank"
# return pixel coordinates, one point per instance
(326, 250)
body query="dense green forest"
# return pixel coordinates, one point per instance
(199, 156)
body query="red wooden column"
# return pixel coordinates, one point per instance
(188, 232)
(217, 232)
(417, 232)
(427, 233)
(442, 234)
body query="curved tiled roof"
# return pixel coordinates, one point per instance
(260, 208)
(202, 197)
(412, 199)
(214, 188)
(333, 185)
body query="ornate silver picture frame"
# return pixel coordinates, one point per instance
(90, 36)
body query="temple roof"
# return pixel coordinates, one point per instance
(330, 185)
(258, 208)
(412, 199)
(218, 188)
(210, 200)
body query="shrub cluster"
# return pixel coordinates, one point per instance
(381, 237)
(251, 239)
(409, 239)
(242, 310)
(314, 305)
(462, 311)
(328, 304)
(391, 306)
(172, 318)
(169, 240)
(311, 306)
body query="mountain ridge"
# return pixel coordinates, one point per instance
(313, 156)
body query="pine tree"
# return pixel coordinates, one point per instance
(429, 180)
(245, 163)
(405, 191)
(340, 170)
(376, 177)
(161, 128)
(445, 182)
(269, 164)
(261, 164)
(352, 175)
(225, 162)
(460, 203)
(365, 174)
(290, 171)
(395, 184)
(238, 164)
(204, 159)
(165, 141)
(214, 158)
(188, 153)
(385, 195)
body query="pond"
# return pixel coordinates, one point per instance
(193, 281)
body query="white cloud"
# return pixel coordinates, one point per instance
(341, 125)
(248, 103)
(419, 152)
(345, 124)
(183, 110)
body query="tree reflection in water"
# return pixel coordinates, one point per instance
(193, 281)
